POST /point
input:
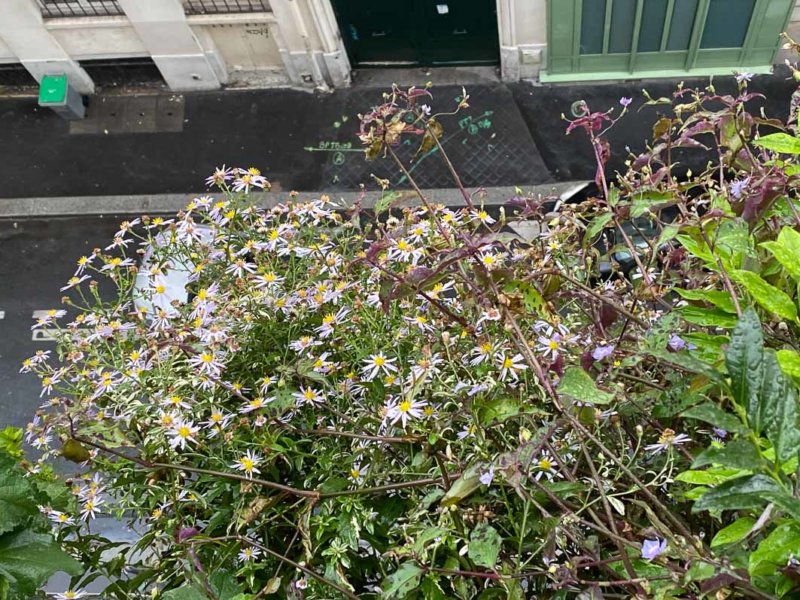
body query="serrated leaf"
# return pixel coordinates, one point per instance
(744, 360)
(225, 584)
(738, 494)
(17, 502)
(774, 550)
(787, 257)
(577, 384)
(707, 317)
(484, 545)
(778, 409)
(711, 413)
(789, 360)
(721, 300)
(28, 559)
(768, 296)
(402, 582)
(714, 476)
(782, 143)
(187, 591)
(738, 454)
(734, 532)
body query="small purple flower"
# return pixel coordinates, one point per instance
(742, 77)
(676, 343)
(602, 352)
(486, 478)
(738, 187)
(625, 102)
(720, 433)
(653, 548)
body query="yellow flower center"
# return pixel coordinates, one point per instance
(379, 361)
(404, 406)
(508, 363)
(545, 464)
(248, 464)
(184, 431)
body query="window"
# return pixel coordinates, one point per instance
(621, 37)
(80, 8)
(213, 7)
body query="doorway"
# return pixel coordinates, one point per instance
(419, 32)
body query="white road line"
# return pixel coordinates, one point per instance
(2, 315)
(40, 314)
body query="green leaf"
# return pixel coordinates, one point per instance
(707, 317)
(734, 532)
(426, 536)
(788, 503)
(738, 454)
(17, 498)
(595, 227)
(789, 360)
(778, 409)
(577, 384)
(720, 299)
(187, 591)
(714, 476)
(696, 248)
(744, 360)
(225, 584)
(786, 256)
(782, 143)
(402, 582)
(686, 361)
(11, 441)
(774, 550)
(462, 487)
(711, 413)
(499, 409)
(28, 559)
(741, 493)
(484, 545)
(768, 296)
(699, 571)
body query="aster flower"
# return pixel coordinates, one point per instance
(70, 595)
(738, 187)
(483, 216)
(248, 463)
(667, 440)
(378, 363)
(249, 554)
(405, 411)
(357, 473)
(510, 366)
(625, 102)
(182, 432)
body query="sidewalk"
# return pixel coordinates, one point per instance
(155, 144)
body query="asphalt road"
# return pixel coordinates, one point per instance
(37, 257)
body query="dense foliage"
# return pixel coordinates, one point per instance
(418, 402)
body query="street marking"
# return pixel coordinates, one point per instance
(40, 314)
(2, 315)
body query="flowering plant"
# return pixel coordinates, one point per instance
(417, 402)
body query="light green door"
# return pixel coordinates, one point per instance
(618, 38)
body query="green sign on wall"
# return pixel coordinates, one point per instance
(618, 38)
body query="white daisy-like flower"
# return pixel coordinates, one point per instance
(406, 410)
(376, 364)
(248, 464)
(510, 366)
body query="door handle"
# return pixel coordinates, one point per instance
(459, 31)
(378, 34)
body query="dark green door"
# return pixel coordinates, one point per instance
(419, 32)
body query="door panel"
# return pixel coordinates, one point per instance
(420, 32)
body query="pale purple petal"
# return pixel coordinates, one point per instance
(602, 352)
(653, 548)
(486, 478)
(626, 102)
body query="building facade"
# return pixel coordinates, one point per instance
(208, 44)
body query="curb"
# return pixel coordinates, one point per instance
(71, 206)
